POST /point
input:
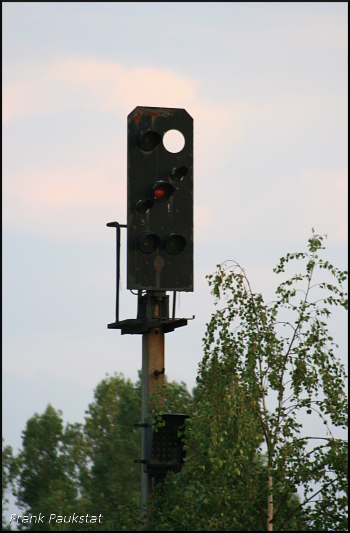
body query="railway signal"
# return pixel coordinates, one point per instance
(160, 201)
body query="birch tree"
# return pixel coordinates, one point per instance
(268, 384)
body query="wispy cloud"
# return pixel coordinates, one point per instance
(101, 85)
(220, 129)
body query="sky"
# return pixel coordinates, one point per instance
(266, 85)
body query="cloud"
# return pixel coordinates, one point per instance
(75, 83)
(91, 84)
(224, 132)
(41, 190)
(102, 85)
(65, 201)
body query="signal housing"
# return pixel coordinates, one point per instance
(160, 202)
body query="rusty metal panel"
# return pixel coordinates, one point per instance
(160, 201)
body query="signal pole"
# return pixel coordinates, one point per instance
(152, 376)
(159, 259)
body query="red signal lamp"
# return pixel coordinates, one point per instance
(161, 191)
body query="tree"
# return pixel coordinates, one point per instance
(47, 473)
(8, 473)
(252, 461)
(111, 478)
(86, 469)
(82, 469)
(111, 482)
(266, 367)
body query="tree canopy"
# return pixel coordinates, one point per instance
(257, 456)
(255, 463)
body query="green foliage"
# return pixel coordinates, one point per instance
(264, 367)
(46, 470)
(8, 473)
(86, 469)
(170, 397)
(267, 369)
(110, 477)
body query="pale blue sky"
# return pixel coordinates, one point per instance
(266, 85)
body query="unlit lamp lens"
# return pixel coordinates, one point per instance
(148, 140)
(148, 242)
(174, 243)
(144, 205)
(178, 173)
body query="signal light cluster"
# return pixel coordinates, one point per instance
(148, 243)
(161, 191)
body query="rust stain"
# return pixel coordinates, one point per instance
(158, 263)
(152, 113)
(138, 115)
